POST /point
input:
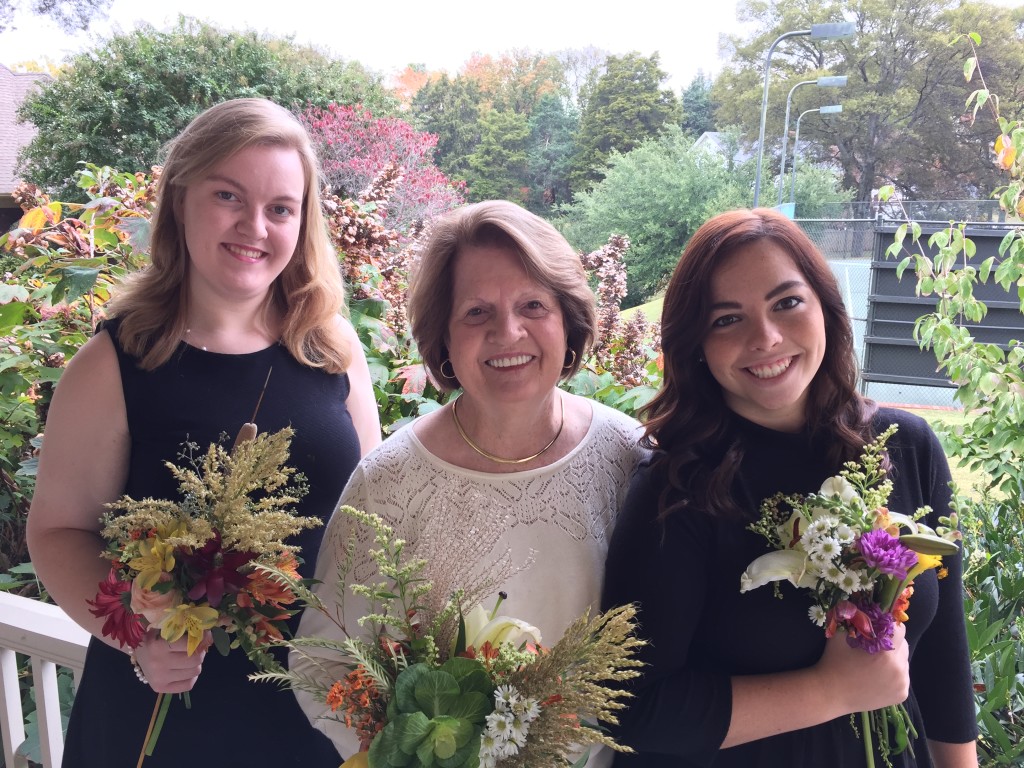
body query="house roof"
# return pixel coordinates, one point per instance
(14, 87)
(718, 142)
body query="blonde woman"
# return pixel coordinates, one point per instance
(243, 280)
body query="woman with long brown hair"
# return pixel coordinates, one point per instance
(759, 398)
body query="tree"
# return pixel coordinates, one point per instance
(627, 105)
(69, 15)
(407, 83)
(550, 148)
(516, 80)
(498, 163)
(450, 109)
(657, 195)
(355, 148)
(117, 105)
(899, 123)
(582, 68)
(698, 107)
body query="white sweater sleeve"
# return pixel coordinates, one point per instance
(317, 663)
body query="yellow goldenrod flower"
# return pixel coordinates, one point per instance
(190, 618)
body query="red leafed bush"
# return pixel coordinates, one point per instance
(355, 147)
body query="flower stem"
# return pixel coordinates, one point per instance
(149, 731)
(869, 747)
(156, 724)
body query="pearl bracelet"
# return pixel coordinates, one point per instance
(138, 669)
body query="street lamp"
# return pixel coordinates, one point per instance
(832, 31)
(831, 81)
(831, 109)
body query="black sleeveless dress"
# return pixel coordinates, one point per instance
(198, 396)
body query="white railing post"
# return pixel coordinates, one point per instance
(12, 720)
(50, 639)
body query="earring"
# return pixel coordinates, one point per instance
(450, 366)
(572, 362)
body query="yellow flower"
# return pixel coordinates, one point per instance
(157, 558)
(358, 760)
(924, 562)
(191, 618)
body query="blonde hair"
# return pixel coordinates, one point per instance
(546, 256)
(309, 293)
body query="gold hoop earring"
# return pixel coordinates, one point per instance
(572, 362)
(441, 369)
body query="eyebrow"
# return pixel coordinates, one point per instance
(228, 180)
(773, 293)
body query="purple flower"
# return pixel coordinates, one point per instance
(883, 551)
(882, 625)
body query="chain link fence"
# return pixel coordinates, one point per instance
(849, 244)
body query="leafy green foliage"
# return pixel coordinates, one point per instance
(657, 195)
(436, 716)
(121, 101)
(994, 582)
(60, 262)
(990, 387)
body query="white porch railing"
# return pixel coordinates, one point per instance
(49, 638)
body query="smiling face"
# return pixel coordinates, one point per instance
(506, 339)
(242, 220)
(765, 336)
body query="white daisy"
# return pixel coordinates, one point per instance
(817, 614)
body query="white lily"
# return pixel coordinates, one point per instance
(782, 564)
(841, 487)
(482, 628)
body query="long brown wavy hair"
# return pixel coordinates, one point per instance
(309, 292)
(689, 421)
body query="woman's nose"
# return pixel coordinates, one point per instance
(765, 334)
(508, 327)
(253, 224)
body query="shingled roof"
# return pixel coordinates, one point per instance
(14, 87)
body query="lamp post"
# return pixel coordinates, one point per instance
(830, 81)
(832, 31)
(831, 109)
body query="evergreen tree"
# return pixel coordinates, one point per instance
(450, 109)
(552, 142)
(627, 106)
(498, 163)
(698, 108)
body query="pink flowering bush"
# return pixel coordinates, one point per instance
(355, 147)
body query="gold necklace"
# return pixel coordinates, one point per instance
(498, 459)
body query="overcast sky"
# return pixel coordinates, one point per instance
(385, 36)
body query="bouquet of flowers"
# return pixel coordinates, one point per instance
(186, 567)
(859, 560)
(454, 688)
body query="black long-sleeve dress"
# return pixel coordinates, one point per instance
(199, 396)
(685, 575)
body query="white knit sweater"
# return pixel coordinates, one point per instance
(541, 534)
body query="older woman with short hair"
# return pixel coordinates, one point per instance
(515, 480)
